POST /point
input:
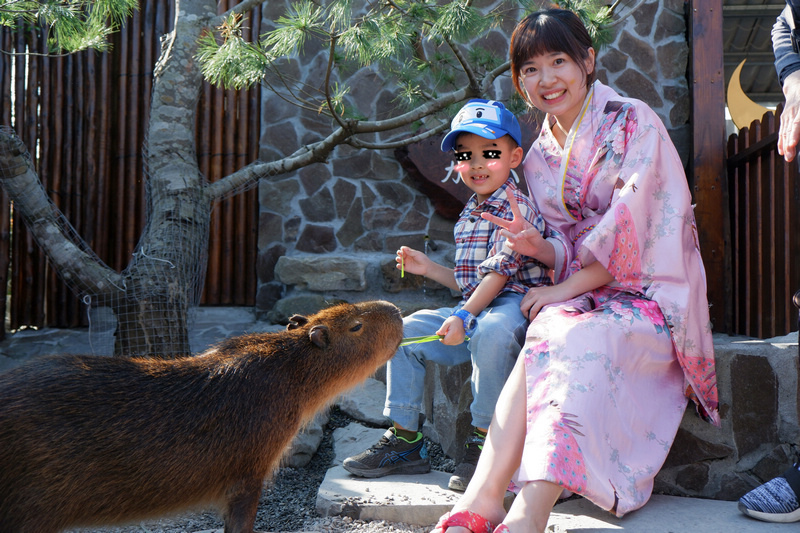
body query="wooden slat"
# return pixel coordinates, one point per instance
(28, 282)
(759, 237)
(5, 205)
(774, 223)
(765, 236)
(736, 214)
(708, 160)
(119, 186)
(750, 261)
(135, 134)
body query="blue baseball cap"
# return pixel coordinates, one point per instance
(488, 118)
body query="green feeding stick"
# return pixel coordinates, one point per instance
(424, 338)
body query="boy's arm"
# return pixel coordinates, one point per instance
(442, 274)
(416, 262)
(586, 279)
(486, 291)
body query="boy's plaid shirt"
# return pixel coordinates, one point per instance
(481, 249)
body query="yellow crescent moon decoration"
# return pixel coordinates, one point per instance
(742, 109)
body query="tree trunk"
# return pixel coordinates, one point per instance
(168, 267)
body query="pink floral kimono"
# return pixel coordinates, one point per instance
(608, 373)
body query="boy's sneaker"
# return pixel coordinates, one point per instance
(392, 455)
(775, 500)
(466, 468)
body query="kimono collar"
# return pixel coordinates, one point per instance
(566, 152)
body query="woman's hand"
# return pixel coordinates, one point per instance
(520, 234)
(587, 279)
(538, 297)
(412, 261)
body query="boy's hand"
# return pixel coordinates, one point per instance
(520, 234)
(412, 261)
(517, 224)
(453, 331)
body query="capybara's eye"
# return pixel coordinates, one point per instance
(356, 327)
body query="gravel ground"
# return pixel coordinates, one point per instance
(289, 504)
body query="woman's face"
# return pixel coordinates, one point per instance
(556, 84)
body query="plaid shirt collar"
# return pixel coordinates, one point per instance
(496, 202)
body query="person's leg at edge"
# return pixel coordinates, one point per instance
(501, 453)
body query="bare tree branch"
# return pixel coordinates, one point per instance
(242, 7)
(319, 151)
(66, 250)
(250, 174)
(357, 143)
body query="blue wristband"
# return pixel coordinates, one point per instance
(469, 320)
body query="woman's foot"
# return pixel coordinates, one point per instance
(461, 520)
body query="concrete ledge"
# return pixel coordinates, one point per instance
(417, 500)
(662, 514)
(412, 499)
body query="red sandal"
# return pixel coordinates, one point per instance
(472, 521)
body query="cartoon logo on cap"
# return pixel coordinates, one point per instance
(470, 113)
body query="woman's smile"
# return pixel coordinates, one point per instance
(554, 95)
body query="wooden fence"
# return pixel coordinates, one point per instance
(764, 200)
(83, 118)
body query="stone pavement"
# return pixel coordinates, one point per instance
(420, 499)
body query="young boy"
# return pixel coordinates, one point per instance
(485, 138)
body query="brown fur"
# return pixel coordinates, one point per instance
(91, 440)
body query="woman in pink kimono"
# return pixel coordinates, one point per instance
(616, 346)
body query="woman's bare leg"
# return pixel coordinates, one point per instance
(531, 508)
(501, 453)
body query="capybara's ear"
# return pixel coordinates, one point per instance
(295, 321)
(319, 335)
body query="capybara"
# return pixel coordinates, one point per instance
(93, 440)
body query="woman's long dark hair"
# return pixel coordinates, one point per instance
(547, 31)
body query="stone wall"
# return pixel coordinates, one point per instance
(648, 60)
(330, 231)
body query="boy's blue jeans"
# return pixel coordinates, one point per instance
(493, 349)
